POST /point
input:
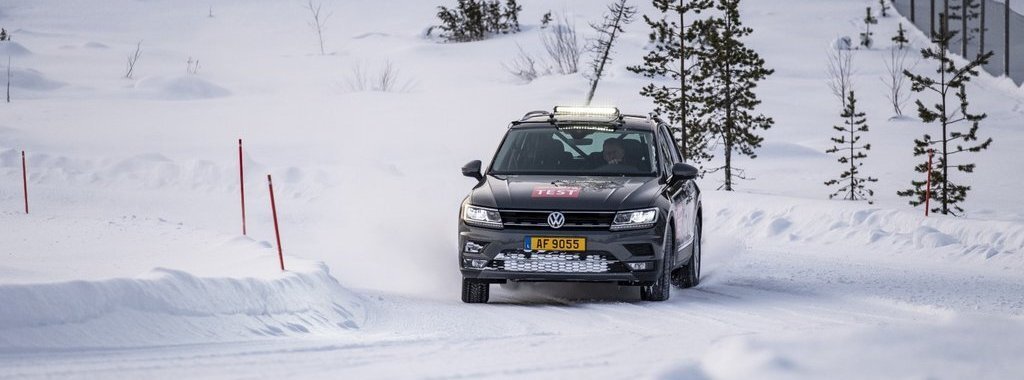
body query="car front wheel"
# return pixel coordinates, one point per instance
(475, 291)
(660, 290)
(689, 275)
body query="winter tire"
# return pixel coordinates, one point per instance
(475, 291)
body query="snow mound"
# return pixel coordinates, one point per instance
(30, 79)
(13, 49)
(187, 87)
(167, 306)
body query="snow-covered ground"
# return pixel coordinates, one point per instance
(132, 263)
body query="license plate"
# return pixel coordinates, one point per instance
(546, 243)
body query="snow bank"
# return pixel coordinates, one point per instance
(779, 222)
(950, 350)
(166, 307)
(71, 282)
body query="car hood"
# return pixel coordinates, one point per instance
(566, 193)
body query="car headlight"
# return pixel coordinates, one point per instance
(481, 217)
(635, 219)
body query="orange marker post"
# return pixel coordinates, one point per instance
(241, 183)
(277, 231)
(24, 180)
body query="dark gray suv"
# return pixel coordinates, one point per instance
(582, 194)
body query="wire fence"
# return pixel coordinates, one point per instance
(991, 25)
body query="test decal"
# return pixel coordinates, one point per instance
(555, 192)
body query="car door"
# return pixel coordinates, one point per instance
(683, 195)
(674, 191)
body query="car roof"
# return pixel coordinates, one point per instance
(535, 119)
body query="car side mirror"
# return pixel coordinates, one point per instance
(472, 169)
(683, 172)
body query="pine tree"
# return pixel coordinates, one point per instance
(725, 76)
(668, 59)
(473, 20)
(610, 29)
(493, 17)
(952, 82)
(545, 20)
(511, 16)
(865, 38)
(884, 8)
(900, 39)
(3, 34)
(852, 184)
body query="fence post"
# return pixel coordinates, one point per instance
(241, 183)
(982, 29)
(963, 28)
(1006, 46)
(24, 180)
(277, 231)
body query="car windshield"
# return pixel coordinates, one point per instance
(576, 150)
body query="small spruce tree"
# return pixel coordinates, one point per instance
(3, 34)
(545, 20)
(725, 76)
(668, 59)
(948, 114)
(865, 37)
(900, 39)
(609, 30)
(883, 8)
(852, 185)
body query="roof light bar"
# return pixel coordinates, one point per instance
(588, 112)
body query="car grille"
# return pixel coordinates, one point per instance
(573, 219)
(556, 262)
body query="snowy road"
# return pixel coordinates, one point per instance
(132, 264)
(756, 309)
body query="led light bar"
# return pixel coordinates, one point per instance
(588, 112)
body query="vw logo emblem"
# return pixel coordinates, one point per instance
(556, 220)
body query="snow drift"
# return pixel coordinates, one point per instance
(166, 307)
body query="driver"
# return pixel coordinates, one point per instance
(613, 152)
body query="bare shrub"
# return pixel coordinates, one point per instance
(386, 79)
(318, 21)
(132, 60)
(193, 66)
(562, 46)
(522, 66)
(840, 71)
(894, 79)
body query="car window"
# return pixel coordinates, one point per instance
(673, 146)
(576, 150)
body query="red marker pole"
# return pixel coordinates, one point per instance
(928, 189)
(277, 232)
(24, 180)
(241, 183)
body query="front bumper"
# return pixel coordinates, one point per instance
(501, 257)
